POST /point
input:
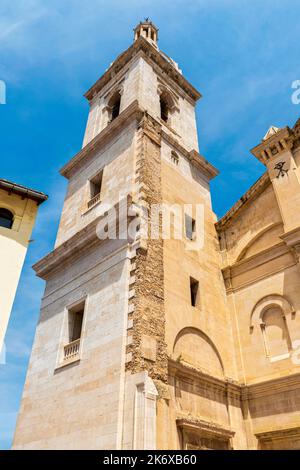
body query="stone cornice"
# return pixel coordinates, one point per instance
(184, 420)
(85, 238)
(272, 147)
(296, 130)
(292, 238)
(253, 192)
(132, 111)
(202, 164)
(253, 262)
(183, 370)
(74, 247)
(23, 191)
(234, 388)
(284, 140)
(151, 127)
(259, 259)
(282, 433)
(206, 168)
(273, 386)
(141, 44)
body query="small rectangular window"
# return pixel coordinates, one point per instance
(95, 185)
(75, 322)
(190, 227)
(174, 157)
(72, 335)
(194, 289)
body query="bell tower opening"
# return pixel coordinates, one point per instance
(148, 30)
(164, 108)
(114, 105)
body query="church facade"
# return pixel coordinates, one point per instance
(155, 342)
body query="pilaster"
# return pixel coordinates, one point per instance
(146, 350)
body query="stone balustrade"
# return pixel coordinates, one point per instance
(71, 350)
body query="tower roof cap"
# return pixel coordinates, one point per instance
(147, 22)
(148, 30)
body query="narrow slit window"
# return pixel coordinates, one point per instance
(174, 157)
(194, 290)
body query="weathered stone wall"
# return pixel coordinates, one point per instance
(128, 83)
(78, 406)
(199, 337)
(147, 348)
(153, 368)
(256, 364)
(115, 158)
(262, 277)
(181, 262)
(256, 217)
(141, 80)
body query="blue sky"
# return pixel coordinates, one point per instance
(242, 56)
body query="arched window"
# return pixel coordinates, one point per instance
(6, 218)
(114, 105)
(164, 107)
(271, 319)
(168, 104)
(275, 332)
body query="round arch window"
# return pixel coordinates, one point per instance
(6, 218)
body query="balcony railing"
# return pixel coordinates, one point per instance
(71, 350)
(93, 201)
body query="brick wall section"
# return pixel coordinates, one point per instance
(146, 348)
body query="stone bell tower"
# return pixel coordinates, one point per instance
(279, 153)
(126, 320)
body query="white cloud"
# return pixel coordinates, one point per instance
(16, 19)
